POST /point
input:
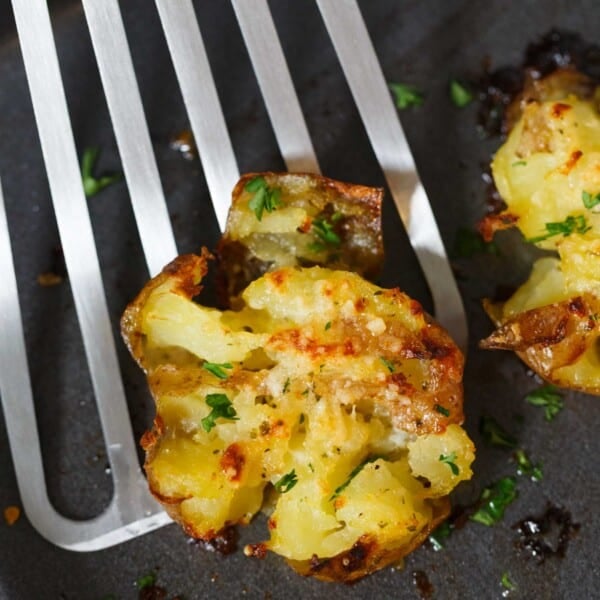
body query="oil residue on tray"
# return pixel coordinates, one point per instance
(547, 535)
(423, 584)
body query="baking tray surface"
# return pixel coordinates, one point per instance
(425, 44)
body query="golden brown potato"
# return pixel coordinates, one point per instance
(554, 87)
(548, 173)
(334, 401)
(558, 341)
(285, 219)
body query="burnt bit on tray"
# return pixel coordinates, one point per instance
(546, 535)
(57, 271)
(152, 592)
(423, 585)
(558, 50)
(156, 592)
(225, 542)
(184, 143)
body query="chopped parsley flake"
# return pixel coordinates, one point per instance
(494, 500)
(217, 369)
(327, 325)
(406, 95)
(146, 581)
(449, 460)
(389, 365)
(570, 225)
(323, 229)
(338, 490)
(459, 94)
(442, 532)
(507, 583)
(442, 410)
(221, 409)
(526, 467)
(92, 185)
(494, 434)
(549, 398)
(590, 201)
(468, 243)
(286, 385)
(287, 482)
(264, 197)
(519, 163)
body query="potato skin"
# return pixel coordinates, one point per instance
(558, 341)
(249, 248)
(317, 339)
(365, 556)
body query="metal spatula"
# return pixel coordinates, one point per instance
(132, 511)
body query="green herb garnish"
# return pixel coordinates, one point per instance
(570, 225)
(406, 95)
(286, 386)
(494, 434)
(217, 369)
(449, 460)
(264, 197)
(549, 398)
(590, 201)
(441, 532)
(468, 242)
(92, 185)
(459, 94)
(494, 500)
(507, 583)
(287, 482)
(146, 581)
(221, 409)
(526, 467)
(389, 365)
(519, 163)
(327, 325)
(323, 229)
(442, 410)
(338, 490)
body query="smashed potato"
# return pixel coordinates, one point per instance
(287, 219)
(548, 173)
(334, 401)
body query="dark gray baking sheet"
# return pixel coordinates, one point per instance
(424, 43)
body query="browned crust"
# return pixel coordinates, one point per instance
(365, 196)
(549, 337)
(366, 556)
(496, 222)
(555, 86)
(185, 272)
